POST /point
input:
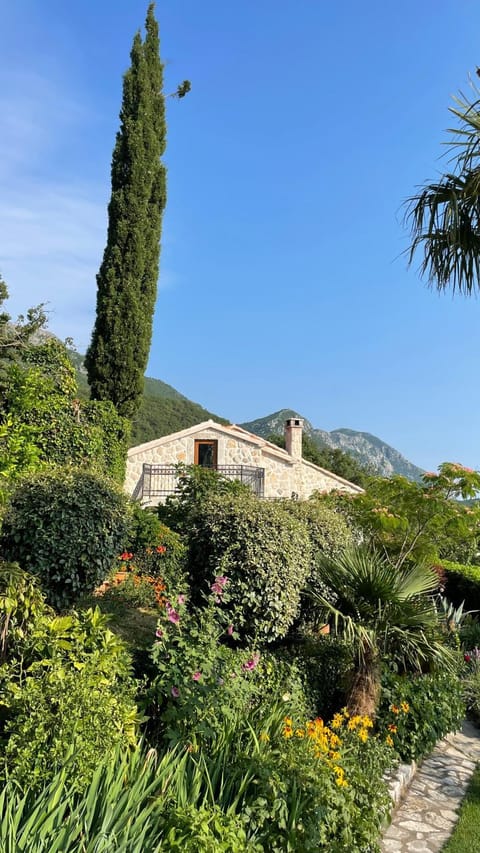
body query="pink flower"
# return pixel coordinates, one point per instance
(197, 675)
(181, 599)
(175, 692)
(172, 614)
(218, 585)
(230, 630)
(159, 633)
(252, 663)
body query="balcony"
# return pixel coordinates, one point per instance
(159, 481)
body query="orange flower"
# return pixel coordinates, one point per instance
(392, 728)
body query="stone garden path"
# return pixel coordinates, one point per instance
(426, 818)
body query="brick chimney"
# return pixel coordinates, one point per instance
(293, 437)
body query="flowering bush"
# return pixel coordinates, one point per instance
(201, 681)
(349, 761)
(163, 556)
(416, 710)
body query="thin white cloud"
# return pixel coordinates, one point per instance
(36, 113)
(52, 240)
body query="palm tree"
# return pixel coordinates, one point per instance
(386, 613)
(444, 216)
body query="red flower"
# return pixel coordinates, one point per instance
(467, 658)
(126, 556)
(160, 549)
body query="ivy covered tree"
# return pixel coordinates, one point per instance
(127, 279)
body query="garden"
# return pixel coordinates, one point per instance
(221, 672)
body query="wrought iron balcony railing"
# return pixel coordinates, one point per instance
(159, 481)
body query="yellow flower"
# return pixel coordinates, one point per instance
(392, 728)
(264, 737)
(395, 709)
(405, 707)
(299, 732)
(288, 732)
(389, 741)
(363, 735)
(337, 721)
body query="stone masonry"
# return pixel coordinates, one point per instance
(285, 473)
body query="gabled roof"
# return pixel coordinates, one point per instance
(242, 434)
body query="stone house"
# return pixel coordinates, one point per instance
(270, 471)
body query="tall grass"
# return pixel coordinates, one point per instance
(131, 803)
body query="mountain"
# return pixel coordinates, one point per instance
(163, 410)
(364, 447)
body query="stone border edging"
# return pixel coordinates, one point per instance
(398, 780)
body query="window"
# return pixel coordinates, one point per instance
(206, 453)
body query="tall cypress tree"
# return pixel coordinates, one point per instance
(127, 280)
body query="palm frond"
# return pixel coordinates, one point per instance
(444, 217)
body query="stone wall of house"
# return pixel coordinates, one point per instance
(230, 452)
(282, 477)
(309, 480)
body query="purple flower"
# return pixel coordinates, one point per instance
(175, 692)
(230, 630)
(159, 633)
(197, 675)
(252, 663)
(181, 599)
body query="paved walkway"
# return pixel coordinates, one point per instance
(425, 819)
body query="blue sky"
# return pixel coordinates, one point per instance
(282, 281)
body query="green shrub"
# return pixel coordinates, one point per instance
(144, 529)
(264, 552)
(417, 710)
(195, 485)
(66, 527)
(41, 394)
(462, 584)
(21, 603)
(469, 632)
(324, 664)
(165, 560)
(204, 829)
(66, 691)
(329, 535)
(471, 683)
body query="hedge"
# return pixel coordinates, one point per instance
(264, 552)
